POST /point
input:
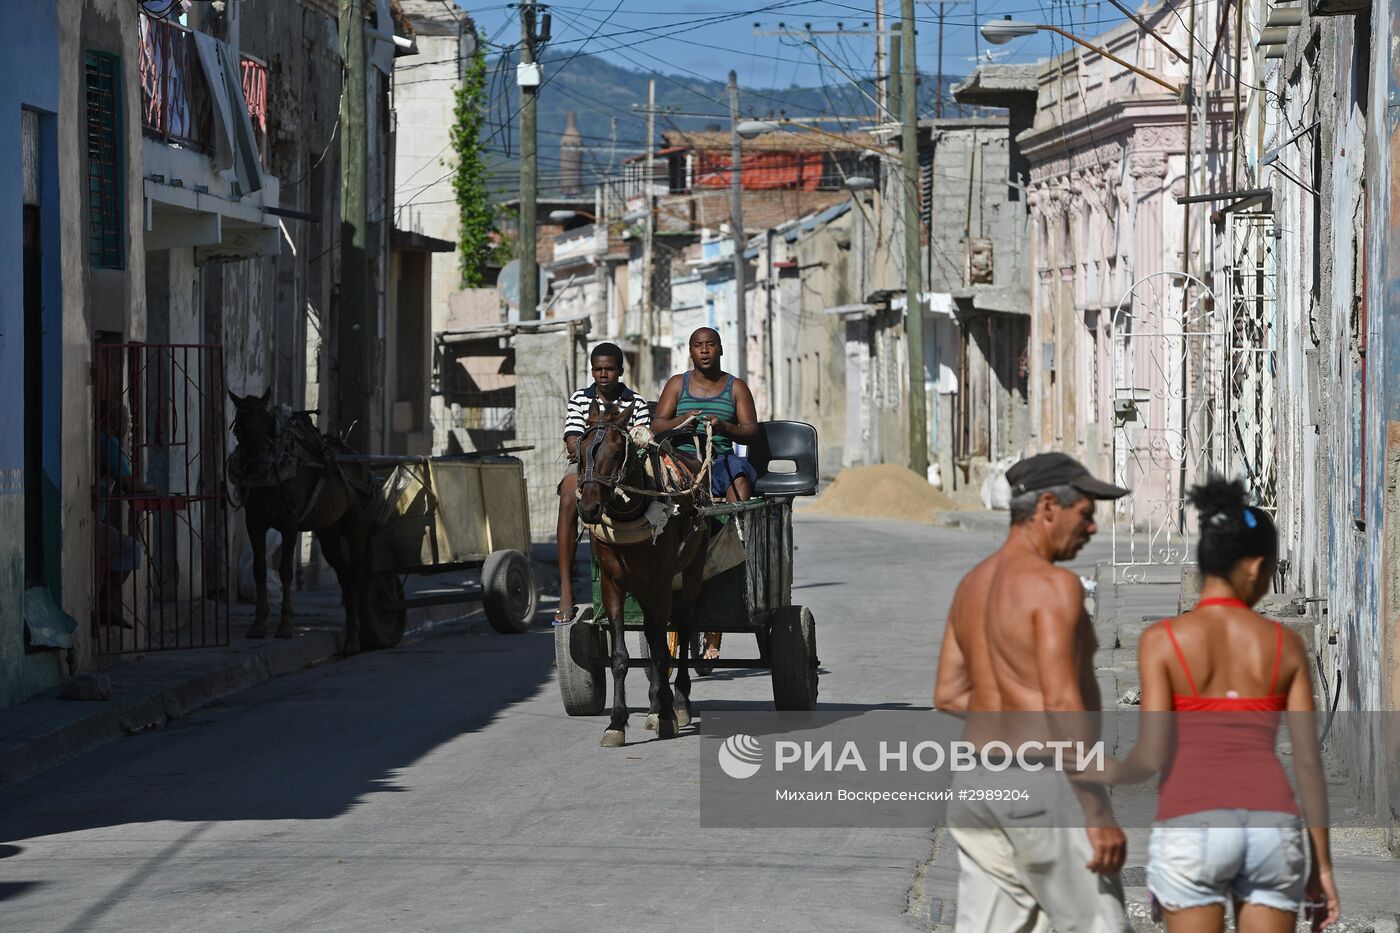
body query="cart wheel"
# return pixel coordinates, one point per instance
(794, 649)
(508, 592)
(582, 675)
(382, 623)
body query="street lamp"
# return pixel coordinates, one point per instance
(750, 129)
(563, 217)
(1002, 31)
(859, 183)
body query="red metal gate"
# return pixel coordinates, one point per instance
(160, 556)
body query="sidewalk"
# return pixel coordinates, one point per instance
(1368, 874)
(149, 691)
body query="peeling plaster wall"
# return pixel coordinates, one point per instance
(813, 342)
(424, 86)
(29, 79)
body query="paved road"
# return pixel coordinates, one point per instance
(440, 787)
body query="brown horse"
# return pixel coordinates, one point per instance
(289, 480)
(608, 461)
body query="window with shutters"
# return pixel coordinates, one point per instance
(102, 81)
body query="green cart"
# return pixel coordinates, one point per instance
(747, 589)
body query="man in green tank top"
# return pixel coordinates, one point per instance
(726, 404)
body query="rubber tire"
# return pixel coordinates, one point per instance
(582, 675)
(794, 649)
(509, 595)
(383, 622)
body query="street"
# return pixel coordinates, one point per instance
(440, 786)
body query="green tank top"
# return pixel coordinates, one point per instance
(721, 406)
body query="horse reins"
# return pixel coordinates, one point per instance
(614, 480)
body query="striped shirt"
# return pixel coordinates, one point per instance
(577, 417)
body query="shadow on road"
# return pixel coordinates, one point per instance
(308, 747)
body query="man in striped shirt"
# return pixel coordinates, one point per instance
(606, 362)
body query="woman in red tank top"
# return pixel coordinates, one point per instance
(1228, 828)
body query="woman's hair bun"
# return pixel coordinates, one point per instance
(1218, 496)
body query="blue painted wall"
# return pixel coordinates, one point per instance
(29, 79)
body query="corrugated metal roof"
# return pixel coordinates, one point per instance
(819, 220)
(780, 140)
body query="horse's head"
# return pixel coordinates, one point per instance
(255, 425)
(604, 452)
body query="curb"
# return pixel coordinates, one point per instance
(161, 688)
(974, 520)
(148, 697)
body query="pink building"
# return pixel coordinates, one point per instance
(1121, 341)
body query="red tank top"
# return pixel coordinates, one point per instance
(1224, 754)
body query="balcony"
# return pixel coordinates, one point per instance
(177, 104)
(204, 115)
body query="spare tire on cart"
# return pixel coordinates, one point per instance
(580, 652)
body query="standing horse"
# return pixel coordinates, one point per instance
(289, 480)
(608, 462)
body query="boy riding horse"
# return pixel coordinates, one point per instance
(606, 362)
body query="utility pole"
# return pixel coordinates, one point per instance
(644, 355)
(897, 68)
(355, 331)
(938, 92)
(736, 221)
(913, 285)
(882, 91)
(527, 76)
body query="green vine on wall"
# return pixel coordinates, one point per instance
(476, 218)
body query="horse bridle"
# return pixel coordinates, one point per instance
(590, 475)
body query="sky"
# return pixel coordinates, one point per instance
(709, 37)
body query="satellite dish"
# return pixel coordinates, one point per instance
(508, 284)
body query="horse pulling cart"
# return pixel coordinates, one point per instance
(747, 588)
(436, 515)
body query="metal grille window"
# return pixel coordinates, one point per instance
(926, 188)
(102, 75)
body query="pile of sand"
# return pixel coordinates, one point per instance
(885, 490)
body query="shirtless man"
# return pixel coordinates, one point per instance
(1019, 641)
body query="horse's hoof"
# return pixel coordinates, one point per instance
(352, 648)
(666, 729)
(652, 719)
(613, 738)
(284, 630)
(682, 717)
(257, 631)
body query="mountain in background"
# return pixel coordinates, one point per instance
(601, 93)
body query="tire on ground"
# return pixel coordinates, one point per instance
(508, 592)
(582, 674)
(793, 647)
(384, 618)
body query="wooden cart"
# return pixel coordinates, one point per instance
(441, 514)
(750, 592)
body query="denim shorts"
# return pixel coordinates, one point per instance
(1212, 857)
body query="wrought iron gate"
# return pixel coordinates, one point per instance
(160, 556)
(1251, 387)
(1169, 356)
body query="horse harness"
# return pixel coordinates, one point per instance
(296, 443)
(634, 523)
